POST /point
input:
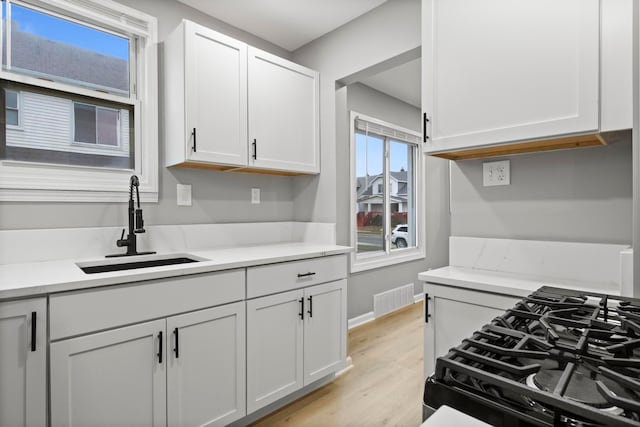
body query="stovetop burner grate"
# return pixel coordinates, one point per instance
(556, 354)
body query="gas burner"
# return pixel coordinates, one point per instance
(581, 388)
(558, 358)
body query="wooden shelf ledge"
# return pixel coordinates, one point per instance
(525, 147)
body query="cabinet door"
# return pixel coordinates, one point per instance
(325, 326)
(206, 374)
(112, 378)
(23, 373)
(454, 315)
(274, 348)
(499, 71)
(283, 114)
(216, 97)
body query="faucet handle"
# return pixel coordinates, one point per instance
(121, 241)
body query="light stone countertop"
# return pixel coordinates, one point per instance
(28, 279)
(504, 283)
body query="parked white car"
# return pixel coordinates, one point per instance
(400, 236)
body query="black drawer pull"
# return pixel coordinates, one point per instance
(33, 330)
(176, 350)
(160, 347)
(255, 149)
(301, 314)
(310, 306)
(194, 139)
(306, 274)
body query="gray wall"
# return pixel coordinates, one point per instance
(385, 32)
(581, 195)
(217, 196)
(363, 285)
(360, 45)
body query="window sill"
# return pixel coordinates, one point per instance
(373, 262)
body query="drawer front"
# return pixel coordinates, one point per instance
(274, 278)
(77, 313)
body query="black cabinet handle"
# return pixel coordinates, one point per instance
(310, 306)
(425, 120)
(160, 347)
(306, 274)
(176, 349)
(426, 308)
(255, 149)
(33, 330)
(301, 314)
(194, 139)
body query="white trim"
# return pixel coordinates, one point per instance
(365, 262)
(23, 181)
(348, 366)
(360, 320)
(369, 317)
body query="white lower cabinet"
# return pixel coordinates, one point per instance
(452, 314)
(206, 374)
(324, 329)
(112, 378)
(293, 339)
(185, 370)
(23, 363)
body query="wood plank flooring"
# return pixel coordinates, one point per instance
(384, 387)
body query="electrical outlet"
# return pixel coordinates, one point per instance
(183, 194)
(496, 173)
(255, 196)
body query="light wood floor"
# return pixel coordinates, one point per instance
(384, 387)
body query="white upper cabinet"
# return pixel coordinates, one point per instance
(283, 114)
(228, 105)
(206, 97)
(502, 71)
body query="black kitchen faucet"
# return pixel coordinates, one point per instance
(136, 223)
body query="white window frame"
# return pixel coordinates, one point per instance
(29, 181)
(368, 261)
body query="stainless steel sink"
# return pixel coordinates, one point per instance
(139, 262)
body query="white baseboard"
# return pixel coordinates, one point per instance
(361, 320)
(347, 368)
(369, 317)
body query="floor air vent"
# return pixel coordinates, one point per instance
(391, 300)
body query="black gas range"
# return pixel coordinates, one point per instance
(558, 358)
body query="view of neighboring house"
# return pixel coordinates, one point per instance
(50, 127)
(370, 192)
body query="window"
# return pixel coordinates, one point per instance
(80, 83)
(386, 170)
(96, 125)
(12, 108)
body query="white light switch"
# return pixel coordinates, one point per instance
(496, 173)
(184, 195)
(255, 196)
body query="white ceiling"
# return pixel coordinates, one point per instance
(402, 82)
(289, 24)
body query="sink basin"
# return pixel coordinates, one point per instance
(140, 262)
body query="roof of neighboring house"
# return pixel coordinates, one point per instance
(35, 53)
(364, 185)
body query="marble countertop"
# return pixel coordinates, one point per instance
(504, 283)
(27, 279)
